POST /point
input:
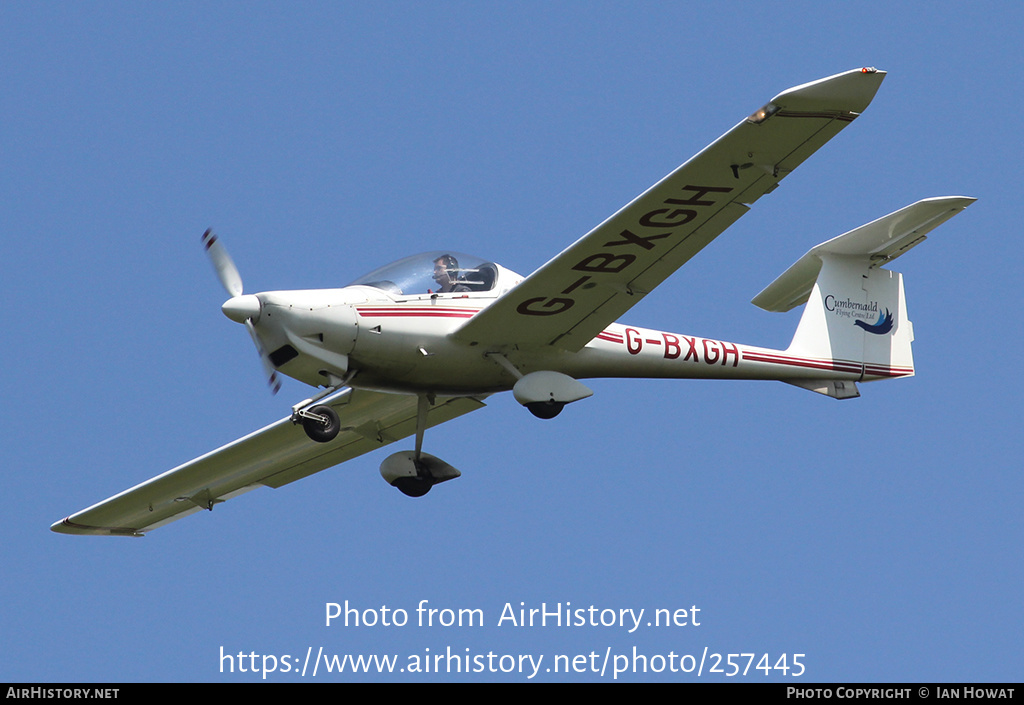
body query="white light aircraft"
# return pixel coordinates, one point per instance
(428, 338)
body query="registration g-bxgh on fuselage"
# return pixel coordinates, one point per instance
(428, 338)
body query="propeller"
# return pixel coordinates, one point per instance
(273, 379)
(227, 272)
(241, 308)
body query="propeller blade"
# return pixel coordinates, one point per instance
(239, 308)
(227, 272)
(273, 379)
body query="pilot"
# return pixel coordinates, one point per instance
(446, 272)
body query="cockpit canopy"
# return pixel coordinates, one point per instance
(434, 272)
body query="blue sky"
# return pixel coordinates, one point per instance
(880, 537)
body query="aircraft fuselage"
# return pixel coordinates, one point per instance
(404, 344)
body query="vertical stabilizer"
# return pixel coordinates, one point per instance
(856, 316)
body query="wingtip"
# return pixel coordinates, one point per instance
(66, 526)
(851, 91)
(960, 202)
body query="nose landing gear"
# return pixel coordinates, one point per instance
(320, 423)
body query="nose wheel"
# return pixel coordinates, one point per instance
(320, 423)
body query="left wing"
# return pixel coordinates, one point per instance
(577, 294)
(272, 457)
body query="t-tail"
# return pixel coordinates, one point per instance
(855, 320)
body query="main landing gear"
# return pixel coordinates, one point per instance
(545, 409)
(412, 472)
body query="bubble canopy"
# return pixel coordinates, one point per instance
(425, 273)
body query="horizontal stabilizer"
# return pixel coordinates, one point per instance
(879, 241)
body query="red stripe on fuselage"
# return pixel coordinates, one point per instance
(833, 365)
(422, 312)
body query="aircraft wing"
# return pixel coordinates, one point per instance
(591, 284)
(272, 457)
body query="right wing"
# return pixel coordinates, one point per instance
(274, 456)
(591, 284)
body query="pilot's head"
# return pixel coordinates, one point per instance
(446, 271)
